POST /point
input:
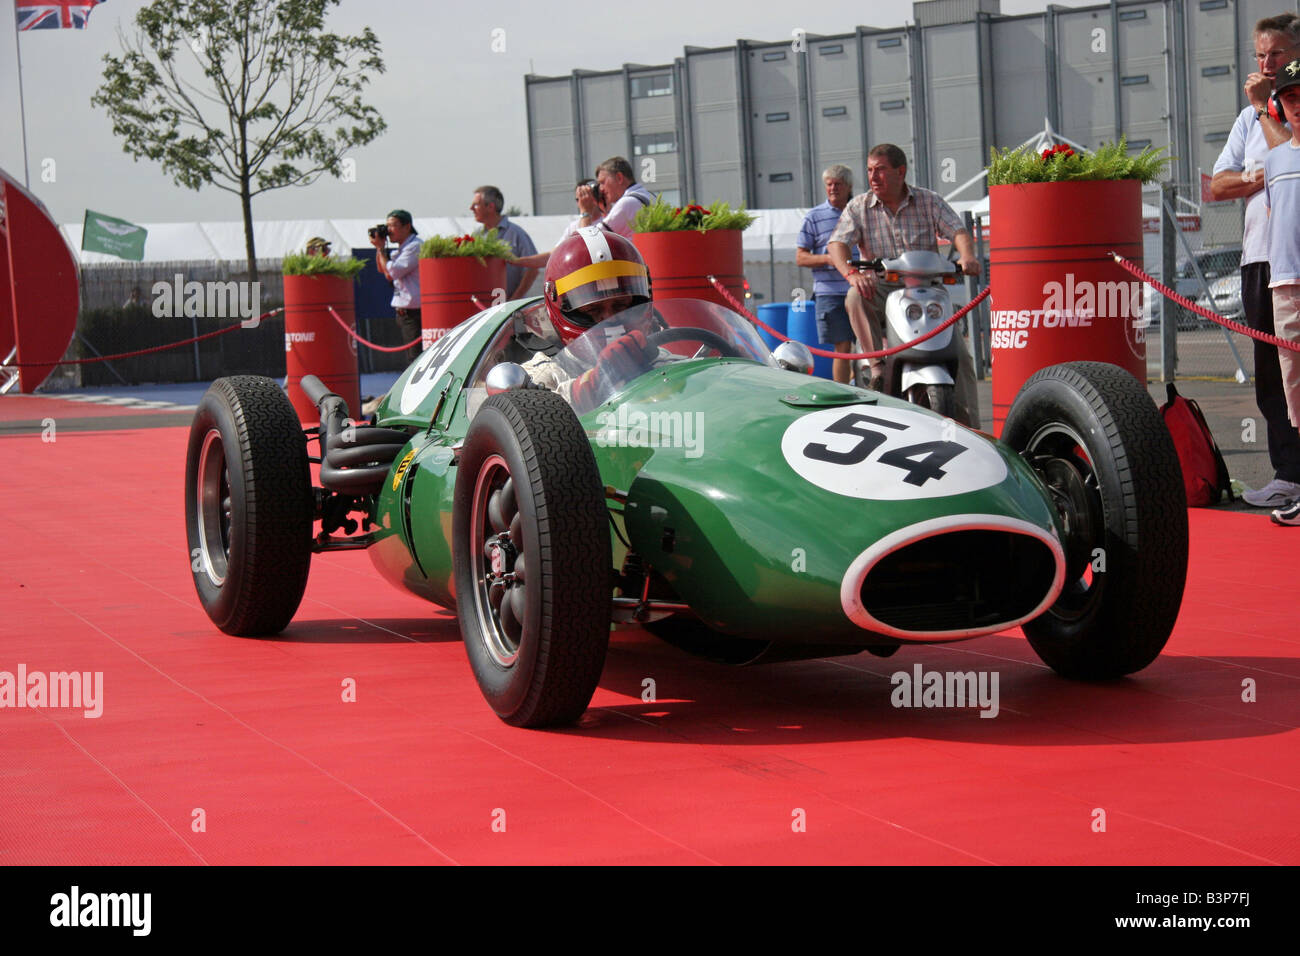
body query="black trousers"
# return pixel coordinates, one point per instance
(1283, 439)
(408, 320)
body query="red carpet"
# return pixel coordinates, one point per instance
(251, 738)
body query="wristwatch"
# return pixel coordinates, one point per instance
(1260, 113)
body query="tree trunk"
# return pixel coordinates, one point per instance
(246, 203)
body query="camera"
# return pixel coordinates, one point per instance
(595, 190)
(380, 230)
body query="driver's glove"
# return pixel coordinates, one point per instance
(628, 356)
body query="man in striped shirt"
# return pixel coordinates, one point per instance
(829, 287)
(886, 222)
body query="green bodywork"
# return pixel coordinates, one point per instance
(714, 507)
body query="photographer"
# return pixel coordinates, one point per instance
(403, 270)
(619, 191)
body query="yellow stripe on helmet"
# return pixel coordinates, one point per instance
(596, 271)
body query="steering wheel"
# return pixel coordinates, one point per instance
(690, 334)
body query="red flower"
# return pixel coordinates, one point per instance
(1059, 149)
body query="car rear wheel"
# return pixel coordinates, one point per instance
(248, 506)
(532, 559)
(1096, 439)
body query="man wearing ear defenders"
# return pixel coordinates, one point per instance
(1239, 174)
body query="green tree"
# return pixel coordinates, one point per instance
(244, 95)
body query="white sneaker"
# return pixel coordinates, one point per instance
(1289, 515)
(1276, 494)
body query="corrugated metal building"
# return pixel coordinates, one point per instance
(756, 122)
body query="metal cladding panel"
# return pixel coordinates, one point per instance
(550, 111)
(604, 116)
(1214, 83)
(650, 114)
(1084, 77)
(889, 90)
(835, 105)
(1019, 80)
(776, 124)
(715, 126)
(932, 13)
(1145, 100)
(952, 104)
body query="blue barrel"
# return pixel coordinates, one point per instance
(802, 327)
(777, 315)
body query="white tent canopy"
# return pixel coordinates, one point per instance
(224, 241)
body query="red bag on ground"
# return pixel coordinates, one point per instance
(1205, 476)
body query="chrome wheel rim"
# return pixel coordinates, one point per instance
(496, 546)
(213, 506)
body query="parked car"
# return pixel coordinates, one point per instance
(1221, 270)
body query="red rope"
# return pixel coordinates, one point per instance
(156, 348)
(851, 356)
(1186, 303)
(366, 342)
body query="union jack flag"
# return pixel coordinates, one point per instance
(54, 14)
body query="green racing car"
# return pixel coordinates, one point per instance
(737, 508)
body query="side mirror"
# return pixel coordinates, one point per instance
(505, 377)
(794, 357)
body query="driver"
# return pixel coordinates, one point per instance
(590, 276)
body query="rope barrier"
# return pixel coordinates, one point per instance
(366, 342)
(148, 351)
(1186, 303)
(851, 356)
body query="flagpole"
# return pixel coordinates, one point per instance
(22, 109)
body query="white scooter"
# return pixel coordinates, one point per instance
(924, 374)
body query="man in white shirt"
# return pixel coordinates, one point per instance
(1239, 174)
(622, 194)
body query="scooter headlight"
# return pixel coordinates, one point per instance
(934, 310)
(913, 312)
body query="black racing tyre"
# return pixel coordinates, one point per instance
(1096, 439)
(248, 506)
(532, 558)
(938, 398)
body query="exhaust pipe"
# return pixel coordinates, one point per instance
(355, 458)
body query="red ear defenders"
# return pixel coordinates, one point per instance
(1275, 108)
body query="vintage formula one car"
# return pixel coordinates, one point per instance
(739, 509)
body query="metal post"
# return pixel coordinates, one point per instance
(771, 268)
(1168, 274)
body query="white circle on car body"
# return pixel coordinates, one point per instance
(884, 453)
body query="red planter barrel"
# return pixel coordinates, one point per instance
(1057, 294)
(448, 287)
(680, 263)
(315, 344)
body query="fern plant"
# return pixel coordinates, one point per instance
(300, 264)
(480, 246)
(1060, 163)
(659, 216)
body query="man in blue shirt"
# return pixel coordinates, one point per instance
(829, 287)
(486, 207)
(403, 270)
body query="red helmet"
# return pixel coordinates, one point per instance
(589, 267)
